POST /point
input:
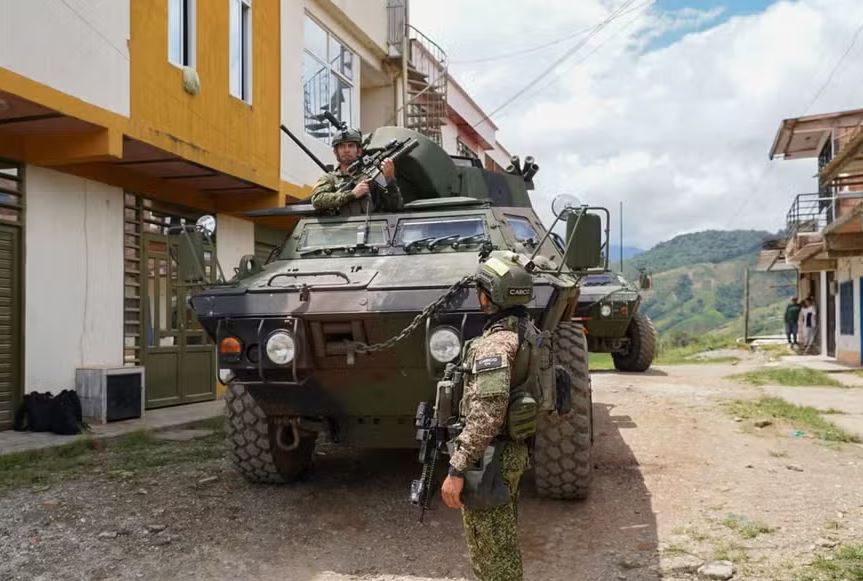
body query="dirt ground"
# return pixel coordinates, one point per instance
(673, 473)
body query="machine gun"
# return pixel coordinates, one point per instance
(436, 427)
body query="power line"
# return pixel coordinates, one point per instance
(768, 167)
(524, 51)
(569, 53)
(835, 68)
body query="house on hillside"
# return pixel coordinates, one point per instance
(145, 114)
(824, 228)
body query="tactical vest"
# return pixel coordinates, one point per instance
(533, 378)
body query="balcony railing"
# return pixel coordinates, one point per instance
(811, 213)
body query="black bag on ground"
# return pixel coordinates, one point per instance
(66, 413)
(39, 411)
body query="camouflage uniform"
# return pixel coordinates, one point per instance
(326, 196)
(491, 534)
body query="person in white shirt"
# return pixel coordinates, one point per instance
(808, 323)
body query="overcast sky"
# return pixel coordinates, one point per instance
(671, 107)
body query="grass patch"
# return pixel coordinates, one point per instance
(846, 564)
(599, 361)
(804, 418)
(730, 551)
(790, 376)
(746, 528)
(123, 456)
(778, 453)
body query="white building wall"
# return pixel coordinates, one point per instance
(449, 137)
(73, 278)
(848, 346)
(57, 44)
(235, 238)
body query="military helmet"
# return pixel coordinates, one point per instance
(347, 135)
(507, 283)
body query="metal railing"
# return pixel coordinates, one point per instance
(811, 213)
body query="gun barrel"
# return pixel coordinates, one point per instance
(305, 149)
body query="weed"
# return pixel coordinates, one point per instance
(778, 453)
(730, 551)
(801, 417)
(746, 528)
(846, 564)
(126, 454)
(789, 376)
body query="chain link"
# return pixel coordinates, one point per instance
(418, 320)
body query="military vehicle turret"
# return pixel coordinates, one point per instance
(351, 322)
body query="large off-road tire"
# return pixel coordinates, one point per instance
(561, 459)
(642, 345)
(251, 442)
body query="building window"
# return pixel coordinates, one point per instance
(463, 150)
(241, 49)
(846, 308)
(328, 80)
(181, 32)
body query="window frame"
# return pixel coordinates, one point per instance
(187, 43)
(332, 69)
(846, 307)
(240, 88)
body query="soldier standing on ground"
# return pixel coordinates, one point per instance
(491, 370)
(328, 194)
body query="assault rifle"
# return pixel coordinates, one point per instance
(435, 427)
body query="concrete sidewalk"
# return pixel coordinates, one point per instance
(818, 362)
(847, 400)
(12, 441)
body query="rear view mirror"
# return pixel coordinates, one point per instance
(584, 236)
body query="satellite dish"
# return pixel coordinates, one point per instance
(206, 224)
(565, 203)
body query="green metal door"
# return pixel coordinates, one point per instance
(179, 360)
(10, 322)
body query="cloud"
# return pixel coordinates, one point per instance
(679, 129)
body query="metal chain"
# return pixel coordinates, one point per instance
(418, 320)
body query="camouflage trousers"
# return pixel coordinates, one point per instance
(492, 534)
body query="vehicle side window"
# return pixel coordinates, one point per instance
(522, 229)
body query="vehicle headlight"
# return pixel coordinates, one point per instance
(281, 348)
(226, 375)
(605, 310)
(444, 344)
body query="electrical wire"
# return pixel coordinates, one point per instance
(614, 15)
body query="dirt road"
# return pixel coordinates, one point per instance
(677, 481)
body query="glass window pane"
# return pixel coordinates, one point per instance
(8, 169)
(315, 95)
(341, 58)
(235, 50)
(341, 98)
(410, 230)
(315, 39)
(175, 31)
(522, 229)
(341, 234)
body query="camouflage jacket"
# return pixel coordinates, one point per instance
(326, 196)
(489, 362)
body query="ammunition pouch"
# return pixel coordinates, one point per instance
(522, 413)
(484, 484)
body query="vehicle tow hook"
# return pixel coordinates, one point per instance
(293, 424)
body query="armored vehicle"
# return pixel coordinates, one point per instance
(608, 307)
(352, 321)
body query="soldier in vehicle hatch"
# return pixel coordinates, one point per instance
(328, 194)
(492, 448)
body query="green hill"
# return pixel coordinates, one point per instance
(698, 285)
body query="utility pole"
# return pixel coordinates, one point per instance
(621, 236)
(746, 308)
